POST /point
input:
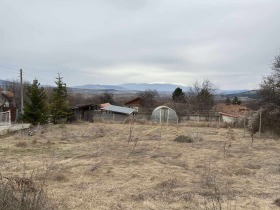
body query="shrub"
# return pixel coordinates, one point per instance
(184, 139)
(22, 194)
(277, 202)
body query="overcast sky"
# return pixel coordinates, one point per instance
(232, 43)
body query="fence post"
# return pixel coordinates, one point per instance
(167, 116)
(160, 116)
(10, 116)
(244, 123)
(260, 126)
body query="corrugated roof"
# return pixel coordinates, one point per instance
(119, 109)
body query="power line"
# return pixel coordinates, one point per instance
(36, 77)
(8, 72)
(10, 69)
(14, 73)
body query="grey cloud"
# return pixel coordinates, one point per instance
(166, 40)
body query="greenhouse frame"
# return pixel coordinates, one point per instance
(164, 114)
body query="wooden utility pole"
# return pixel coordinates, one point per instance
(21, 91)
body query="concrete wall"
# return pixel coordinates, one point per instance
(199, 118)
(111, 117)
(228, 119)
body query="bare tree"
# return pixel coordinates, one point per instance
(269, 93)
(106, 97)
(15, 87)
(201, 96)
(148, 98)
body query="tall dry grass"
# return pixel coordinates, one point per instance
(140, 166)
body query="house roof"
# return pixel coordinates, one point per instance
(119, 109)
(104, 105)
(232, 109)
(138, 99)
(8, 94)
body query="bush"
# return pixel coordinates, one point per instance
(277, 202)
(184, 139)
(22, 194)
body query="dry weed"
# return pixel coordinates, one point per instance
(277, 202)
(21, 144)
(92, 169)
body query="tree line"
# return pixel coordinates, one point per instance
(42, 103)
(37, 108)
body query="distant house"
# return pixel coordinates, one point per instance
(135, 103)
(6, 99)
(7, 103)
(232, 109)
(230, 113)
(230, 118)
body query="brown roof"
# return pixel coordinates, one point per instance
(232, 109)
(134, 101)
(104, 105)
(8, 94)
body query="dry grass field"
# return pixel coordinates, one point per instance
(140, 166)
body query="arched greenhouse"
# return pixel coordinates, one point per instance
(164, 114)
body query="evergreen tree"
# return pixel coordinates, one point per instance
(59, 107)
(35, 109)
(178, 95)
(228, 101)
(236, 101)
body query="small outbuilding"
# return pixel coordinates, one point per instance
(116, 113)
(164, 114)
(84, 112)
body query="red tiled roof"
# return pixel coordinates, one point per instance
(104, 105)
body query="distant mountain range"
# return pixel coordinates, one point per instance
(135, 87)
(165, 89)
(3, 83)
(144, 86)
(101, 87)
(249, 94)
